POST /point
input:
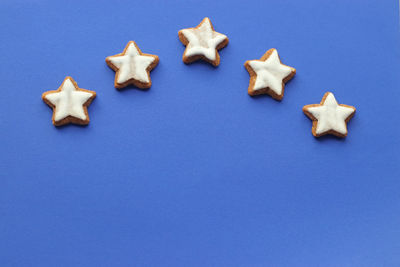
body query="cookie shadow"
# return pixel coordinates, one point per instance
(329, 138)
(71, 125)
(201, 64)
(132, 87)
(266, 97)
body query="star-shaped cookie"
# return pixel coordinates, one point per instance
(69, 103)
(329, 117)
(202, 42)
(268, 75)
(132, 67)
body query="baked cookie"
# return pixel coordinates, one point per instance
(132, 67)
(202, 42)
(329, 117)
(69, 103)
(268, 75)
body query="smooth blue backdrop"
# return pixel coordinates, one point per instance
(194, 172)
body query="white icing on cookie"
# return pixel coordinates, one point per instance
(132, 65)
(69, 101)
(270, 73)
(203, 40)
(331, 115)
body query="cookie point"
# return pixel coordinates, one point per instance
(215, 63)
(118, 86)
(207, 20)
(271, 51)
(131, 43)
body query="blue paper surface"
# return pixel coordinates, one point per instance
(194, 172)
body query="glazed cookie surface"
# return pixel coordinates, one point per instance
(202, 43)
(132, 67)
(268, 75)
(329, 117)
(69, 103)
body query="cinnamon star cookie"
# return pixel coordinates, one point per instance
(329, 117)
(202, 42)
(132, 67)
(69, 103)
(268, 75)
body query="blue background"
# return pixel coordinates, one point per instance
(194, 172)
